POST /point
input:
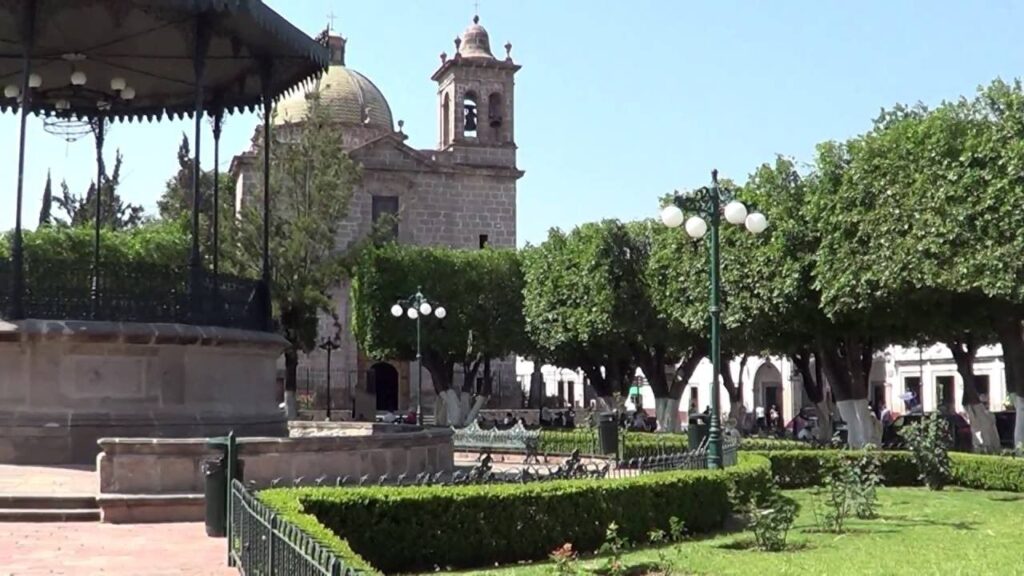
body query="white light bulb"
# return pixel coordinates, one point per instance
(440, 312)
(11, 91)
(696, 227)
(128, 93)
(735, 212)
(117, 83)
(425, 308)
(35, 80)
(78, 78)
(671, 216)
(757, 223)
(396, 310)
(412, 313)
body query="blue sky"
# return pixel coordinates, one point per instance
(617, 102)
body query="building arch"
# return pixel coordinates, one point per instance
(382, 382)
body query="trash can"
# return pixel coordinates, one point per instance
(697, 430)
(216, 474)
(608, 433)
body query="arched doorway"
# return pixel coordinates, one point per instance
(382, 381)
(768, 394)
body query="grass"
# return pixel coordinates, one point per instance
(917, 533)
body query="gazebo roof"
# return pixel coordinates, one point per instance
(150, 44)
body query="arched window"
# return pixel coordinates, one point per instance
(446, 121)
(495, 115)
(469, 115)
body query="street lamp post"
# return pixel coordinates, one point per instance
(706, 205)
(416, 307)
(329, 345)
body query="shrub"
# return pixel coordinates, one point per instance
(864, 489)
(987, 472)
(833, 503)
(566, 560)
(927, 441)
(803, 468)
(762, 444)
(770, 521)
(614, 546)
(418, 528)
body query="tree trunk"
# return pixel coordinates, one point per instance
(737, 411)
(1011, 340)
(291, 368)
(847, 365)
(984, 435)
(815, 389)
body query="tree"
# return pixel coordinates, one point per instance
(311, 181)
(176, 204)
(115, 214)
(45, 216)
(482, 292)
(581, 296)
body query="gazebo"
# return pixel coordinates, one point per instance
(98, 350)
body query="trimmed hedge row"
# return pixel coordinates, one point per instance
(418, 528)
(802, 468)
(639, 444)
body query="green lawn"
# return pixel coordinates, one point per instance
(918, 532)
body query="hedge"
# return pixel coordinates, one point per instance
(639, 444)
(419, 528)
(802, 468)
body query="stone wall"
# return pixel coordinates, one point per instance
(174, 466)
(65, 384)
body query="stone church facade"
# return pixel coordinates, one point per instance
(461, 194)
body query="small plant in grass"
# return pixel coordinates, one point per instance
(866, 479)
(676, 529)
(659, 538)
(927, 441)
(566, 560)
(614, 546)
(834, 500)
(770, 519)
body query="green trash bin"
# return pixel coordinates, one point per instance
(697, 430)
(608, 433)
(216, 474)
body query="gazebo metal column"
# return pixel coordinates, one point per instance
(195, 263)
(98, 128)
(268, 308)
(18, 249)
(218, 123)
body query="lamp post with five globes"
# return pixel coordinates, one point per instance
(706, 205)
(415, 307)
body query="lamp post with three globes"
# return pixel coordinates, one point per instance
(416, 307)
(706, 205)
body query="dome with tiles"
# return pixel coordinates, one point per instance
(349, 97)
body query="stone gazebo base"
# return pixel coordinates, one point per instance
(65, 384)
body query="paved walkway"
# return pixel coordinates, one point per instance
(94, 549)
(56, 480)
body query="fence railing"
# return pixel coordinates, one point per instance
(62, 289)
(262, 543)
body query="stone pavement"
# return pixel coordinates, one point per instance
(50, 480)
(94, 549)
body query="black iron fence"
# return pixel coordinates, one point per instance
(262, 543)
(64, 289)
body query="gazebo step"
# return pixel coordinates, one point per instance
(49, 515)
(47, 502)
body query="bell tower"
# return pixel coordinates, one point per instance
(476, 109)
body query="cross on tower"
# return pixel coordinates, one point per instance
(476, 7)
(330, 19)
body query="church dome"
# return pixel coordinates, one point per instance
(349, 97)
(475, 42)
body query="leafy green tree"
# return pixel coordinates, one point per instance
(176, 204)
(115, 213)
(581, 295)
(311, 181)
(482, 293)
(45, 216)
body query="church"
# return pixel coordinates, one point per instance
(460, 194)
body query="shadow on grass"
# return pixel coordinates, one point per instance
(748, 544)
(1007, 498)
(645, 569)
